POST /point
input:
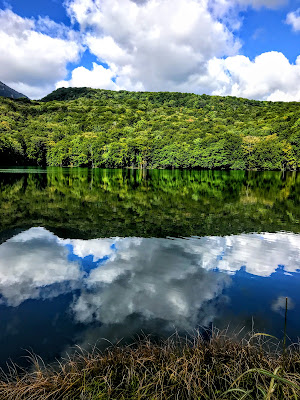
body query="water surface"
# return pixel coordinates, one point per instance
(90, 254)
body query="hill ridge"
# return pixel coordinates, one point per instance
(74, 93)
(6, 91)
(82, 127)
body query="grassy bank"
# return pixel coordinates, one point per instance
(219, 368)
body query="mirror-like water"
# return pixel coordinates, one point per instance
(91, 254)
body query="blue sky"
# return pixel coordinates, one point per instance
(265, 30)
(54, 9)
(246, 48)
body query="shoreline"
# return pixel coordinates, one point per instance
(45, 167)
(220, 367)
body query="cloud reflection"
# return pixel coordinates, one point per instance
(260, 254)
(31, 261)
(154, 278)
(279, 304)
(173, 282)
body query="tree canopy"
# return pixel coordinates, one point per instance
(102, 128)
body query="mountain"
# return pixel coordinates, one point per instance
(83, 127)
(6, 91)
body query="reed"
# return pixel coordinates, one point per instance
(220, 367)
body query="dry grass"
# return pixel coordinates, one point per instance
(221, 367)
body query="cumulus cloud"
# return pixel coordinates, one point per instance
(157, 45)
(257, 79)
(97, 78)
(34, 54)
(179, 45)
(293, 19)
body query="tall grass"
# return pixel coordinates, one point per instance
(218, 368)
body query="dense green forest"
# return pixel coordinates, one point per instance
(102, 128)
(92, 203)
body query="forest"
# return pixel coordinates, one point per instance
(83, 127)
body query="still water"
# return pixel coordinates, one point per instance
(93, 254)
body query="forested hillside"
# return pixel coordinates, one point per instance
(101, 128)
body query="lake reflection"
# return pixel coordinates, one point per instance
(91, 254)
(120, 286)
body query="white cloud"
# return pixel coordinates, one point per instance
(31, 59)
(107, 49)
(293, 19)
(180, 45)
(98, 78)
(257, 79)
(154, 45)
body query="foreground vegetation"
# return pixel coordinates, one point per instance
(101, 128)
(214, 369)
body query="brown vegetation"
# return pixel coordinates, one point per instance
(221, 367)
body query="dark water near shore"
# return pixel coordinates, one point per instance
(91, 254)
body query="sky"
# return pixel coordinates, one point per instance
(244, 48)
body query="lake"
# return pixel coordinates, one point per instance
(91, 256)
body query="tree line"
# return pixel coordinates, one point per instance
(101, 128)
